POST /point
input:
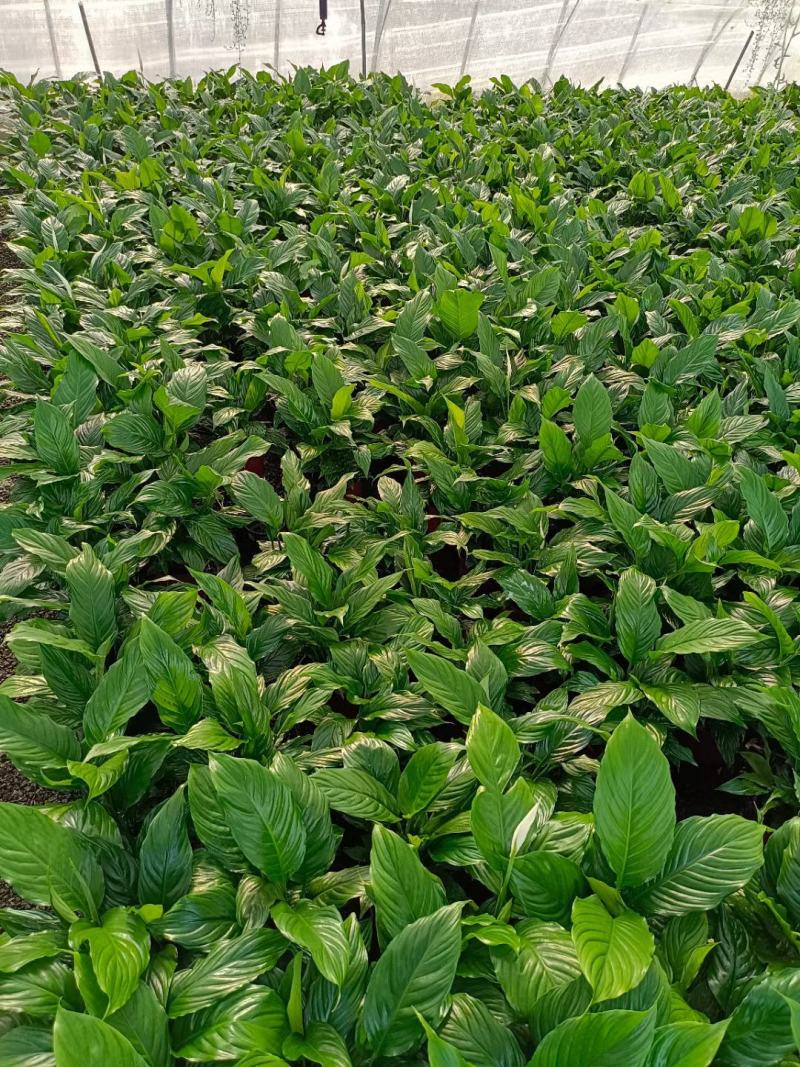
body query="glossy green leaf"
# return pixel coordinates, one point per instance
(81, 1039)
(263, 816)
(634, 804)
(609, 1039)
(413, 975)
(614, 951)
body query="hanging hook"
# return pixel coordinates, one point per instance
(323, 17)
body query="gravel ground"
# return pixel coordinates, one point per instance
(14, 787)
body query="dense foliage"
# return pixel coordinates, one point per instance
(405, 501)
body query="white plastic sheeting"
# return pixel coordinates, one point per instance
(636, 42)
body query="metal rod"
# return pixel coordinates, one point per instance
(363, 40)
(732, 74)
(468, 42)
(632, 46)
(48, 14)
(276, 51)
(88, 33)
(173, 64)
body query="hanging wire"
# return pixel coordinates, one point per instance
(380, 26)
(323, 17)
(564, 19)
(711, 43)
(470, 36)
(632, 46)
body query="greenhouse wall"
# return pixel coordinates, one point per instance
(636, 42)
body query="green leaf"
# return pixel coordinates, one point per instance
(710, 858)
(614, 951)
(566, 323)
(259, 499)
(492, 749)
(608, 1039)
(79, 1040)
(327, 379)
(496, 818)
(251, 1019)
(761, 1032)
(708, 635)
(544, 885)
(104, 364)
(423, 778)
(317, 928)
(17, 952)
(546, 962)
(448, 686)
(229, 966)
(672, 198)
(414, 315)
(227, 601)
(440, 1052)
(134, 432)
(677, 701)
(27, 1046)
(54, 439)
(202, 918)
(234, 683)
(356, 793)
(765, 510)
(321, 1043)
(556, 449)
(308, 564)
(262, 814)
(634, 804)
(176, 688)
(414, 975)
(34, 992)
(478, 1035)
(529, 593)
(642, 186)
(674, 468)
(165, 858)
(636, 617)
(33, 741)
(321, 839)
(123, 690)
(686, 1044)
(209, 820)
(402, 888)
(92, 603)
(38, 856)
(458, 310)
(591, 411)
(144, 1022)
(119, 950)
(99, 777)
